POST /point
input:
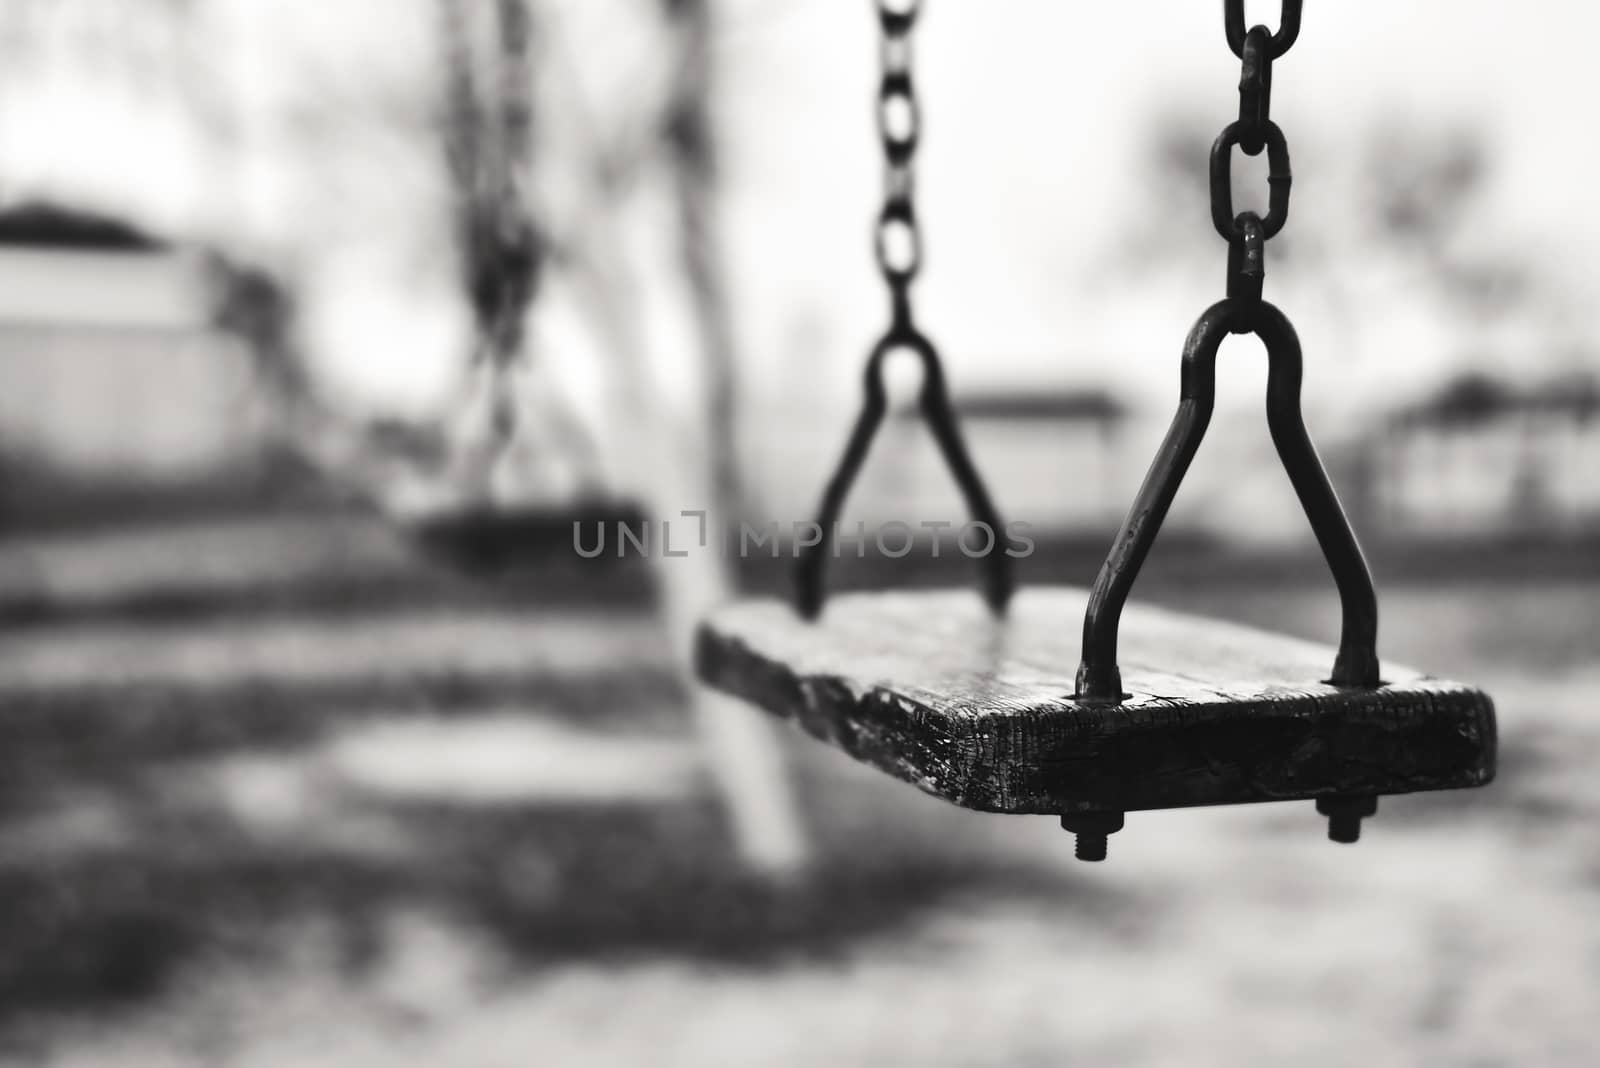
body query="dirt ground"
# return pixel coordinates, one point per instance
(459, 833)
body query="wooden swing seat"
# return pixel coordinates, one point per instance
(928, 687)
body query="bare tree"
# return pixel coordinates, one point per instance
(691, 142)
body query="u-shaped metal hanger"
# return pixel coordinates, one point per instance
(936, 411)
(1357, 663)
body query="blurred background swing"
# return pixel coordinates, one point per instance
(514, 435)
(492, 480)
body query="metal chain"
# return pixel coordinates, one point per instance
(489, 147)
(898, 248)
(1253, 132)
(898, 243)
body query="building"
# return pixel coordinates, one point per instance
(1049, 456)
(111, 374)
(1485, 458)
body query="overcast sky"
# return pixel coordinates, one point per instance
(1035, 114)
(1035, 111)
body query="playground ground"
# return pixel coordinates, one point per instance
(449, 830)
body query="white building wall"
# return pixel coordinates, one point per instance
(108, 369)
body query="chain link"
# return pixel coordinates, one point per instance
(1255, 91)
(1282, 41)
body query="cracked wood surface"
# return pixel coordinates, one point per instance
(927, 687)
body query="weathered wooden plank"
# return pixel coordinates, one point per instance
(926, 686)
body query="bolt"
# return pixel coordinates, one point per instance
(1345, 815)
(1090, 847)
(1091, 830)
